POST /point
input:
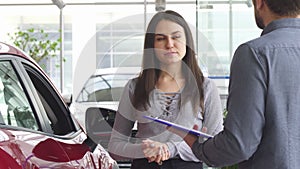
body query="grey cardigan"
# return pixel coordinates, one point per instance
(181, 113)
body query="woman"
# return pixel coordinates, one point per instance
(172, 87)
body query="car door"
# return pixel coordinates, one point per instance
(37, 129)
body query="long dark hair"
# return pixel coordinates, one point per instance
(149, 76)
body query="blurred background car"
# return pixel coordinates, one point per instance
(37, 129)
(102, 90)
(96, 105)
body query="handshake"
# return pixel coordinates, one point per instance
(155, 151)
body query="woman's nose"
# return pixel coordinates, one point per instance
(170, 42)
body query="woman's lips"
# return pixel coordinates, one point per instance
(171, 54)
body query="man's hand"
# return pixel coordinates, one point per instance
(188, 138)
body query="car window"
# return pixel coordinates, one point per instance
(103, 88)
(14, 105)
(57, 115)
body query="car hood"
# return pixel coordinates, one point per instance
(17, 151)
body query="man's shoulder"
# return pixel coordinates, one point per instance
(255, 43)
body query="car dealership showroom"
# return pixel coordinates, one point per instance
(64, 65)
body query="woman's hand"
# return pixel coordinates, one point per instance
(155, 151)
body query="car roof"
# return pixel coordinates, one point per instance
(9, 49)
(13, 50)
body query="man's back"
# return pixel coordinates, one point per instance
(261, 130)
(277, 53)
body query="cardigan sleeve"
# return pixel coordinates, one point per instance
(120, 146)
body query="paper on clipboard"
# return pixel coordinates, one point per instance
(177, 126)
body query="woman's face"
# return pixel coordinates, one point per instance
(169, 42)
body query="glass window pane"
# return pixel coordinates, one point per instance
(244, 26)
(14, 105)
(57, 115)
(213, 39)
(114, 31)
(119, 39)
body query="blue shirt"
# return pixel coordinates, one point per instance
(262, 129)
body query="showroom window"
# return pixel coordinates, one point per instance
(107, 35)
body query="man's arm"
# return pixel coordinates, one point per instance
(244, 123)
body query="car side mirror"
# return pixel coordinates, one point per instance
(99, 123)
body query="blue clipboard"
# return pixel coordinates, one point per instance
(177, 126)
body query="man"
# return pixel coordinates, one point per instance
(262, 128)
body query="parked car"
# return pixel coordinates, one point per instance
(96, 104)
(102, 90)
(37, 129)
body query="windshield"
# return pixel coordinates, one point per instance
(104, 88)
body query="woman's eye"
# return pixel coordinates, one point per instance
(176, 37)
(160, 38)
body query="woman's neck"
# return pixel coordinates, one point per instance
(170, 79)
(172, 71)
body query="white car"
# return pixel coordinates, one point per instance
(98, 100)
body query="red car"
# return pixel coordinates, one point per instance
(37, 129)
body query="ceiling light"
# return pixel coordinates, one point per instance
(59, 3)
(160, 5)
